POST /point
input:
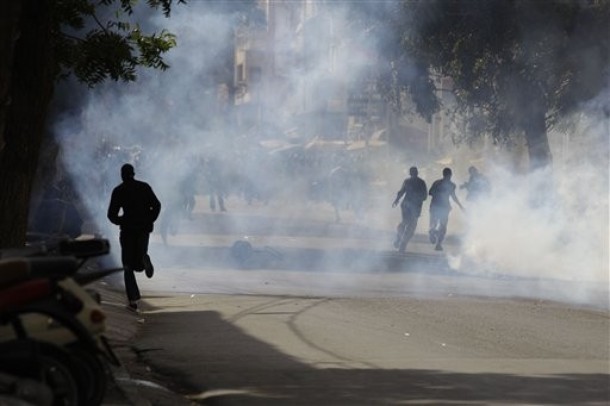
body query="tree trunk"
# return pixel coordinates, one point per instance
(530, 114)
(31, 88)
(9, 33)
(538, 147)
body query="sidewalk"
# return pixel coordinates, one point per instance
(134, 383)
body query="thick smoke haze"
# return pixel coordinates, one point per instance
(551, 224)
(168, 123)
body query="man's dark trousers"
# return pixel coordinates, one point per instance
(134, 245)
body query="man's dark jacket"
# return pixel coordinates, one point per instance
(139, 203)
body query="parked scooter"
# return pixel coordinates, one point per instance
(51, 328)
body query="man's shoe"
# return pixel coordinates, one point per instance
(133, 305)
(148, 266)
(438, 247)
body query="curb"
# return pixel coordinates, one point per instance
(131, 385)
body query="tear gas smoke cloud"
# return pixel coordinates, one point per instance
(550, 224)
(168, 121)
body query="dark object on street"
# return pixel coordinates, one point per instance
(141, 208)
(241, 251)
(246, 256)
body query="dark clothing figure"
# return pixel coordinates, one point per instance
(215, 183)
(179, 205)
(140, 209)
(441, 191)
(477, 186)
(415, 191)
(187, 194)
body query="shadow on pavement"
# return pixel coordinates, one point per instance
(225, 366)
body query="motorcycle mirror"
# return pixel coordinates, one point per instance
(85, 248)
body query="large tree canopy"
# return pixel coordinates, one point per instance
(41, 40)
(518, 66)
(521, 65)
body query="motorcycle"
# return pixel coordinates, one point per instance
(51, 326)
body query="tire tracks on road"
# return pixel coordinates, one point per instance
(293, 324)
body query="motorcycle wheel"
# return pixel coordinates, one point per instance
(93, 378)
(58, 371)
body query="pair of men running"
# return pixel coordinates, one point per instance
(415, 193)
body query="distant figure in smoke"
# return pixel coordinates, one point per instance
(140, 209)
(477, 186)
(179, 203)
(215, 184)
(441, 191)
(187, 190)
(341, 190)
(415, 191)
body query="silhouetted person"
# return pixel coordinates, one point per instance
(179, 203)
(441, 191)
(477, 185)
(140, 209)
(215, 184)
(187, 190)
(415, 191)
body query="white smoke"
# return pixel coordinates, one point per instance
(550, 224)
(545, 225)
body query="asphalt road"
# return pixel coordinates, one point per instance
(322, 314)
(279, 350)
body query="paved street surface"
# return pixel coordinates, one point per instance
(345, 351)
(321, 313)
